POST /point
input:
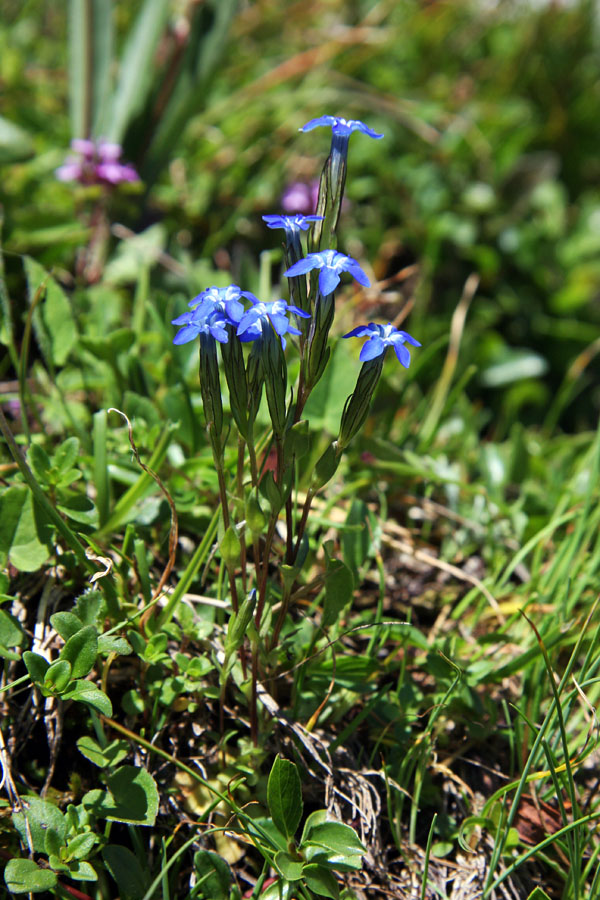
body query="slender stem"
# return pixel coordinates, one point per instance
(252, 454)
(264, 572)
(302, 524)
(285, 604)
(254, 697)
(240, 498)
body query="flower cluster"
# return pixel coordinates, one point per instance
(216, 308)
(96, 162)
(221, 312)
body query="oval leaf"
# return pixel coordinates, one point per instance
(81, 651)
(23, 876)
(284, 796)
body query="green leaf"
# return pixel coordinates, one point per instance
(53, 843)
(137, 68)
(230, 547)
(24, 876)
(24, 533)
(11, 634)
(65, 455)
(356, 541)
(124, 867)
(213, 874)
(321, 881)
(57, 315)
(67, 624)
(538, 894)
(290, 868)
(39, 462)
(37, 818)
(87, 692)
(337, 837)
(81, 845)
(88, 607)
(58, 676)
(110, 755)
(81, 651)
(36, 665)
(335, 845)
(279, 891)
(112, 643)
(132, 797)
(318, 817)
(339, 587)
(284, 796)
(79, 508)
(80, 870)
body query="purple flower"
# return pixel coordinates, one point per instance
(96, 163)
(301, 197)
(380, 338)
(291, 224)
(262, 315)
(331, 263)
(341, 127)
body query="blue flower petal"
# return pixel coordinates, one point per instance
(186, 334)
(374, 347)
(279, 322)
(297, 311)
(357, 272)
(328, 281)
(409, 339)
(183, 319)
(235, 310)
(402, 354)
(359, 331)
(301, 267)
(316, 123)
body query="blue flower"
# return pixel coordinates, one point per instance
(380, 338)
(291, 224)
(195, 324)
(331, 263)
(341, 127)
(211, 312)
(222, 300)
(263, 315)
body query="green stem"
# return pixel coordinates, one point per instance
(137, 490)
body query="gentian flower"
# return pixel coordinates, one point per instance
(96, 163)
(291, 224)
(340, 127)
(263, 315)
(225, 301)
(195, 324)
(331, 263)
(380, 338)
